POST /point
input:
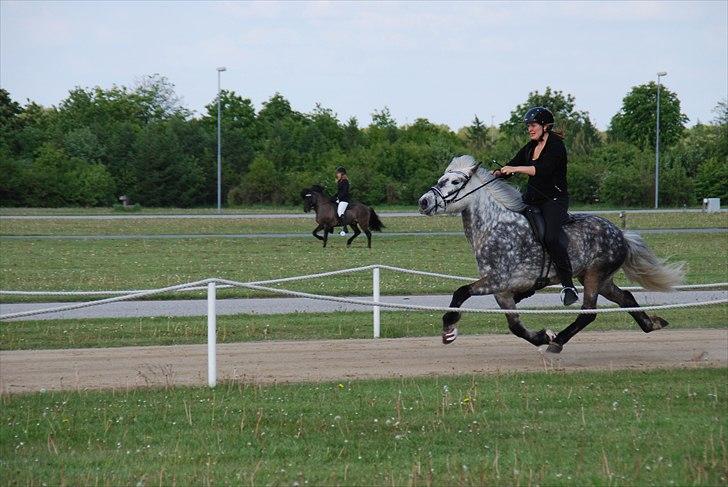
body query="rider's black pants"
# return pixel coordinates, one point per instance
(555, 214)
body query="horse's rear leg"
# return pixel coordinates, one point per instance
(357, 232)
(369, 237)
(542, 337)
(625, 299)
(591, 283)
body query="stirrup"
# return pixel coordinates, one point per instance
(568, 298)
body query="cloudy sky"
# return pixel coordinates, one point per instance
(445, 61)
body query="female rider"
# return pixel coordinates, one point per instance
(543, 159)
(342, 196)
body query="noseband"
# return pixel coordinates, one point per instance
(454, 196)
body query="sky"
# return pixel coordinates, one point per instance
(444, 61)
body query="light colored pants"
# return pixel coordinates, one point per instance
(341, 209)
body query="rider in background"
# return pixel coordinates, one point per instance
(342, 196)
(543, 159)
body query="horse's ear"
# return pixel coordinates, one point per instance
(474, 169)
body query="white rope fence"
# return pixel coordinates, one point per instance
(211, 284)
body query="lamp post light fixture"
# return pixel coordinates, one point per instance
(657, 142)
(219, 160)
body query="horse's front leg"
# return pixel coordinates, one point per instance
(543, 337)
(327, 230)
(316, 230)
(449, 319)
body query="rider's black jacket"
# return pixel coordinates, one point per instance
(342, 190)
(550, 179)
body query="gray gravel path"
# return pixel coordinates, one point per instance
(257, 216)
(267, 306)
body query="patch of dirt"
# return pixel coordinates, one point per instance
(340, 360)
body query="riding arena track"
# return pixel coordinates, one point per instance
(344, 360)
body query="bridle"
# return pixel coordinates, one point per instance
(454, 195)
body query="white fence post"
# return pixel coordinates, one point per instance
(375, 309)
(211, 336)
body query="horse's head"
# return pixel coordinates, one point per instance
(450, 192)
(309, 200)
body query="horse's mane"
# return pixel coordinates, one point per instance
(503, 192)
(316, 188)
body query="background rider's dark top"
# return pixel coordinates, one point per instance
(342, 187)
(550, 179)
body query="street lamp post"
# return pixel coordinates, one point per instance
(657, 142)
(219, 160)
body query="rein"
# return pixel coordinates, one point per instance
(454, 194)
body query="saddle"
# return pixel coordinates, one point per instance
(538, 227)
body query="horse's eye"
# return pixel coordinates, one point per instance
(455, 182)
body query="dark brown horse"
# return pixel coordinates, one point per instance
(356, 215)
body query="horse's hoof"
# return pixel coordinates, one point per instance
(658, 323)
(554, 348)
(550, 335)
(450, 335)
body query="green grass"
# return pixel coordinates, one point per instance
(161, 226)
(655, 427)
(141, 264)
(121, 332)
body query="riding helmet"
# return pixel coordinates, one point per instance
(341, 170)
(539, 115)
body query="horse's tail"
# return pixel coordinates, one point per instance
(374, 222)
(642, 266)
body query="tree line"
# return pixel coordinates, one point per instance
(98, 144)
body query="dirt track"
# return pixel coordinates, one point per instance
(332, 360)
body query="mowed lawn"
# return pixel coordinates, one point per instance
(656, 427)
(150, 263)
(241, 225)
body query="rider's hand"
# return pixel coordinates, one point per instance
(497, 173)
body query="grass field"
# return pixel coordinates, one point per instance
(142, 264)
(227, 226)
(121, 332)
(623, 428)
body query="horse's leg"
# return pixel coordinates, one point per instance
(316, 230)
(368, 233)
(461, 294)
(508, 301)
(449, 319)
(625, 299)
(592, 281)
(326, 235)
(357, 232)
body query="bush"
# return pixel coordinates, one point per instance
(628, 185)
(130, 208)
(583, 180)
(712, 179)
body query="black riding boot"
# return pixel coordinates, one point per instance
(557, 244)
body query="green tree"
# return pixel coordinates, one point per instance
(636, 122)
(477, 135)
(165, 174)
(260, 184)
(581, 137)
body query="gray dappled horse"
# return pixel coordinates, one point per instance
(510, 258)
(356, 215)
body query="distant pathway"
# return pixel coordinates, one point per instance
(265, 216)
